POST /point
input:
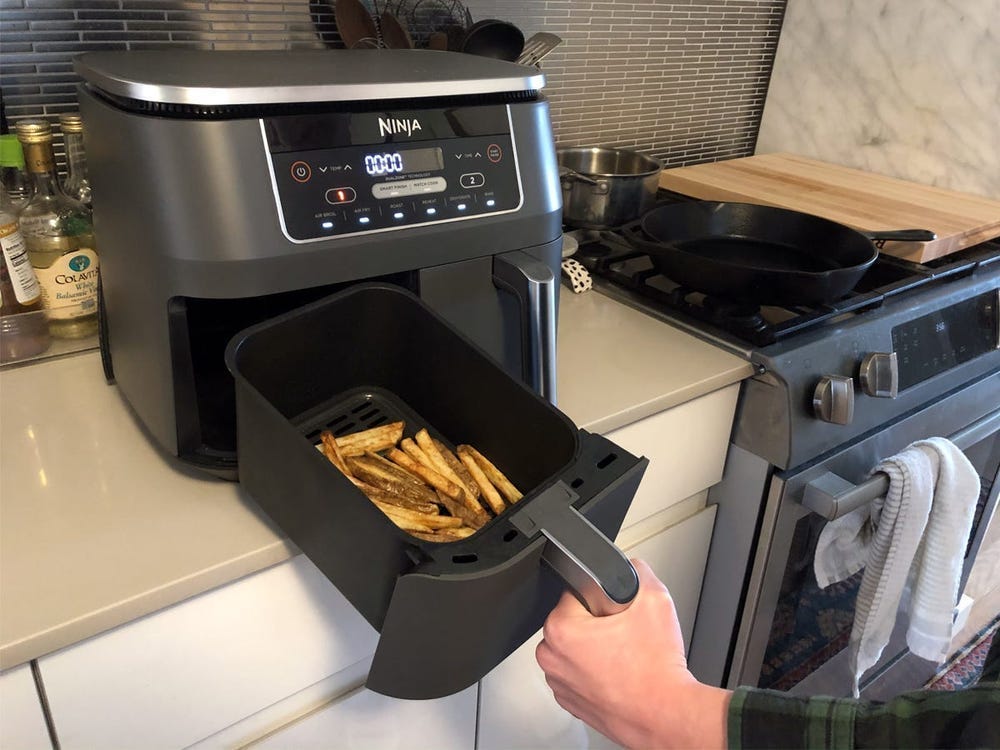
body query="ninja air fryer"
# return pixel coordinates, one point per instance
(289, 239)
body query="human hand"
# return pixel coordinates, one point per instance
(626, 676)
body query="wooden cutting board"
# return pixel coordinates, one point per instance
(859, 199)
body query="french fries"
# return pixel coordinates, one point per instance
(332, 452)
(459, 468)
(376, 439)
(435, 480)
(437, 461)
(489, 491)
(419, 483)
(371, 471)
(508, 490)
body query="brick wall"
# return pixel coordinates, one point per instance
(681, 81)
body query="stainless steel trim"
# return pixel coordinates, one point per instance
(748, 652)
(998, 317)
(220, 79)
(368, 232)
(534, 285)
(832, 496)
(593, 568)
(580, 578)
(730, 344)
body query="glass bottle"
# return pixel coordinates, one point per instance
(77, 185)
(24, 330)
(13, 177)
(60, 238)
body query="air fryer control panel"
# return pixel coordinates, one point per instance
(340, 174)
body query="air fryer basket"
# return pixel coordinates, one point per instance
(375, 353)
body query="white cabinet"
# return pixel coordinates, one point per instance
(365, 720)
(22, 724)
(182, 674)
(517, 709)
(686, 447)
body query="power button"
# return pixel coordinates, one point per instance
(301, 172)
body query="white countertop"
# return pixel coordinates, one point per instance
(99, 527)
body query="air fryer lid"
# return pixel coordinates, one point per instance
(217, 79)
(376, 352)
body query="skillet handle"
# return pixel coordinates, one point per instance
(636, 236)
(633, 233)
(901, 235)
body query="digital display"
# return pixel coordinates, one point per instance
(941, 340)
(384, 163)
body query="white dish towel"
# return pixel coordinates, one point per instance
(912, 539)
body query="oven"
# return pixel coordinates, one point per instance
(792, 635)
(913, 351)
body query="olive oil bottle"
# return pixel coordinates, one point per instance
(24, 332)
(58, 232)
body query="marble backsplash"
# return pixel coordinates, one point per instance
(905, 88)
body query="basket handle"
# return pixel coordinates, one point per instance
(594, 569)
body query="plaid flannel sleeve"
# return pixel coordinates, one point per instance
(920, 719)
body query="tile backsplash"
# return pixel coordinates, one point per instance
(682, 81)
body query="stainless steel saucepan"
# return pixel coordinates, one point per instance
(604, 187)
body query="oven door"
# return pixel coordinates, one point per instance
(793, 635)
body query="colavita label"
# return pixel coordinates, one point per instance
(69, 286)
(15, 255)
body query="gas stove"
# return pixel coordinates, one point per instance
(902, 338)
(626, 273)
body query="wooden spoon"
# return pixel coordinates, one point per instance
(394, 35)
(354, 22)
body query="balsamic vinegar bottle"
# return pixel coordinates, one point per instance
(60, 238)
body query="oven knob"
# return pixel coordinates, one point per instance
(879, 374)
(833, 399)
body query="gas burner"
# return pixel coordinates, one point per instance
(593, 250)
(741, 315)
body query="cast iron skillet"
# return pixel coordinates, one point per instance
(758, 254)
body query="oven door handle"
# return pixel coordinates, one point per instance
(832, 496)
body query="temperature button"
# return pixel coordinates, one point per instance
(337, 196)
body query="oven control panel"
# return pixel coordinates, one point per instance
(344, 174)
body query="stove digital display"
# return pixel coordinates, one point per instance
(934, 343)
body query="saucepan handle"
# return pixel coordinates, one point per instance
(593, 568)
(902, 235)
(565, 173)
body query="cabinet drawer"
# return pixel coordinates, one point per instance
(686, 447)
(22, 724)
(179, 675)
(365, 720)
(517, 687)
